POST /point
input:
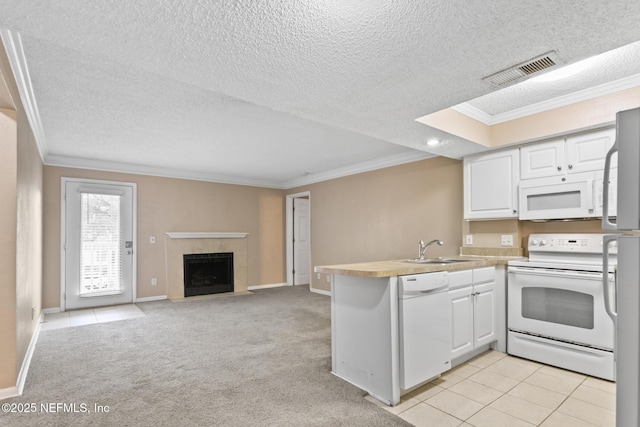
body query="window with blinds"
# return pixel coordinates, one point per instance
(100, 244)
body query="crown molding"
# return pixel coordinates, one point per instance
(560, 101)
(13, 46)
(107, 166)
(475, 113)
(383, 162)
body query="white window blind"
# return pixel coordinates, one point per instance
(100, 244)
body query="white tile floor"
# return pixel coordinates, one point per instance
(497, 390)
(92, 315)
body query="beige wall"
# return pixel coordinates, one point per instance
(20, 234)
(29, 242)
(456, 123)
(8, 240)
(384, 213)
(487, 234)
(581, 115)
(167, 204)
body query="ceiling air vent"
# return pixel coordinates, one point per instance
(524, 70)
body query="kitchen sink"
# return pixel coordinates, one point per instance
(435, 260)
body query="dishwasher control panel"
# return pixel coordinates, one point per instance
(424, 282)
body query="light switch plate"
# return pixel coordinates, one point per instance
(469, 239)
(506, 240)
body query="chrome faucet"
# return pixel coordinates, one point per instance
(422, 246)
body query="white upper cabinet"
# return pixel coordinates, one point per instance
(542, 159)
(586, 152)
(580, 153)
(491, 185)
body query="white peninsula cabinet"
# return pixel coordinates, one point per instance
(491, 185)
(391, 331)
(474, 310)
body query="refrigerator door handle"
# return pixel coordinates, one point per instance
(607, 225)
(605, 276)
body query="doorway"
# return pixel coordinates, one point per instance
(298, 235)
(98, 248)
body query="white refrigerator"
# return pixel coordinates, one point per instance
(625, 310)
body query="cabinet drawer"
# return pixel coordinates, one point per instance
(484, 275)
(458, 279)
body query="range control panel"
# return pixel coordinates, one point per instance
(582, 243)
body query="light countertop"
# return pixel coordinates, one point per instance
(399, 267)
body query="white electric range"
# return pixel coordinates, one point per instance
(557, 304)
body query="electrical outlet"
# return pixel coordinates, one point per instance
(506, 240)
(152, 239)
(469, 239)
(154, 281)
(328, 278)
(319, 276)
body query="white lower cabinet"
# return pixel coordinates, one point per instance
(472, 297)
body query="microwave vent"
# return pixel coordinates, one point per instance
(524, 70)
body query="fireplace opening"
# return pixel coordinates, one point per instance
(206, 274)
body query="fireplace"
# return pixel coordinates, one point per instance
(208, 273)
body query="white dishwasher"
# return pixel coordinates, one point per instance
(425, 327)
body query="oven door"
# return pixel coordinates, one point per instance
(560, 304)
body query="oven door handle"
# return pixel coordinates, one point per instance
(605, 277)
(555, 273)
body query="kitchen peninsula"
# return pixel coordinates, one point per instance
(383, 336)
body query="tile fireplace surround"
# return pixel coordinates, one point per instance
(179, 244)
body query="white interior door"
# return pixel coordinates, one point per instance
(98, 246)
(301, 246)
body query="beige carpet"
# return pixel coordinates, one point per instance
(250, 360)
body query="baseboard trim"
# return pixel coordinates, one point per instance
(51, 310)
(26, 362)
(148, 299)
(271, 285)
(320, 291)
(8, 392)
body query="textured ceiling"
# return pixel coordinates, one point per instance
(275, 91)
(601, 69)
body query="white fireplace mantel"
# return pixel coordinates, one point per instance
(206, 235)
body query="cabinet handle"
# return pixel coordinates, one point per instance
(570, 166)
(515, 211)
(559, 168)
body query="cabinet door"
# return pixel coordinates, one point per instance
(542, 159)
(484, 314)
(461, 302)
(586, 152)
(491, 185)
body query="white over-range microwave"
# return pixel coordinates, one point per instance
(577, 195)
